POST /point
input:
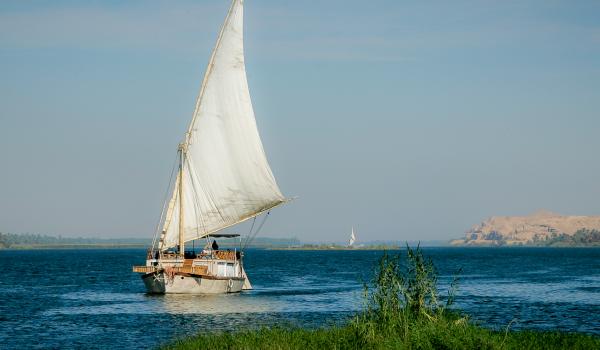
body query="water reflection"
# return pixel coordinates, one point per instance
(176, 304)
(215, 304)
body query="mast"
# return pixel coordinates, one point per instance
(181, 230)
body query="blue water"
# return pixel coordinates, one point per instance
(91, 299)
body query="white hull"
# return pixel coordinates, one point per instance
(159, 283)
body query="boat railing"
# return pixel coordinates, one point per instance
(218, 255)
(171, 259)
(194, 270)
(169, 256)
(144, 269)
(225, 255)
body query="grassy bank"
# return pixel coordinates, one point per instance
(419, 337)
(402, 310)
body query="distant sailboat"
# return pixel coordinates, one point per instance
(352, 238)
(223, 179)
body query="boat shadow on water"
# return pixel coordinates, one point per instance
(213, 304)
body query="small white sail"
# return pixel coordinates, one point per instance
(226, 176)
(352, 238)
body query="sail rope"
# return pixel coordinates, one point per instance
(251, 236)
(195, 196)
(165, 203)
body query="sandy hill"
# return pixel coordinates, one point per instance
(539, 226)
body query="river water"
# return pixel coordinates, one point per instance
(91, 299)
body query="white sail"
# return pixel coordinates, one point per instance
(352, 238)
(226, 176)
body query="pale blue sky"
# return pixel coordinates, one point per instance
(408, 120)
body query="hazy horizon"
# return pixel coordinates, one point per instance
(408, 121)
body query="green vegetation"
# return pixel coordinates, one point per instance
(403, 310)
(581, 238)
(260, 242)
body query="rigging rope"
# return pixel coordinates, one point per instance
(249, 233)
(253, 235)
(199, 218)
(165, 203)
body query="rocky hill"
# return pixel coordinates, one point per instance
(540, 228)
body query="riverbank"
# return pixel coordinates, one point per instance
(439, 335)
(402, 310)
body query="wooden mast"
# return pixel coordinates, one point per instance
(181, 236)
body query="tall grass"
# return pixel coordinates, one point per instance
(403, 295)
(402, 309)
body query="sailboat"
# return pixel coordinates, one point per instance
(352, 238)
(223, 179)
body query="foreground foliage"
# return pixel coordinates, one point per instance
(402, 310)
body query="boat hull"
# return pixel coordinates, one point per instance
(160, 283)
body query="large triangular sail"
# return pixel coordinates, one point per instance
(225, 175)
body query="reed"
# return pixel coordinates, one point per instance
(402, 310)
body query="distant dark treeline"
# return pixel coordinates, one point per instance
(583, 237)
(334, 246)
(8, 240)
(262, 242)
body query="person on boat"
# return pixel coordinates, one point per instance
(215, 246)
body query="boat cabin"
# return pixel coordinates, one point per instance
(207, 262)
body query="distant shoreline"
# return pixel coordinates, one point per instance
(335, 248)
(440, 246)
(73, 246)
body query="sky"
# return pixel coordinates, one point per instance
(408, 120)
